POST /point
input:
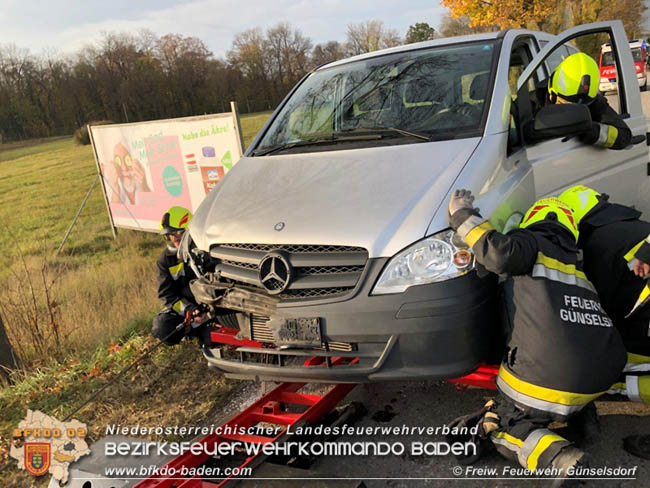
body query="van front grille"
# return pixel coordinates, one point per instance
(318, 271)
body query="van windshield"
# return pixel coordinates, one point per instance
(429, 94)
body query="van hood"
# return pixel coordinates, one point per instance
(381, 199)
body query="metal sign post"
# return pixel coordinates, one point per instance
(235, 112)
(101, 177)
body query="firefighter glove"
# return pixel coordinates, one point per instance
(459, 200)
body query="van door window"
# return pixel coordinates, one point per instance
(591, 44)
(519, 59)
(559, 55)
(563, 161)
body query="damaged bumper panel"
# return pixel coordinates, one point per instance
(226, 295)
(441, 330)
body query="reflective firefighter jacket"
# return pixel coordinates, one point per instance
(612, 237)
(563, 350)
(174, 282)
(608, 129)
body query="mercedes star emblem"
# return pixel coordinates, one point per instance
(274, 272)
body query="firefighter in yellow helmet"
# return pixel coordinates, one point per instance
(576, 80)
(173, 279)
(615, 244)
(562, 349)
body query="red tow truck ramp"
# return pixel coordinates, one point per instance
(287, 405)
(273, 408)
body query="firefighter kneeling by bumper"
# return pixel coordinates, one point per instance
(174, 285)
(556, 363)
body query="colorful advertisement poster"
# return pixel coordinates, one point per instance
(148, 167)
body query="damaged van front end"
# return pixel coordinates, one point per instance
(329, 241)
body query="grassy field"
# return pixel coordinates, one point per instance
(91, 305)
(99, 284)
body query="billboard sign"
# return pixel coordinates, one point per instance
(147, 167)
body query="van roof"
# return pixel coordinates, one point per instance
(420, 45)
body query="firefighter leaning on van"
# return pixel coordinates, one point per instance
(562, 349)
(615, 244)
(174, 280)
(575, 80)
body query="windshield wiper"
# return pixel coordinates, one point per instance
(381, 129)
(345, 135)
(333, 139)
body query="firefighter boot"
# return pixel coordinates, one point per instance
(568, 462)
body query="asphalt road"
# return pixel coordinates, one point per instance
(424, 404)
(645, 101)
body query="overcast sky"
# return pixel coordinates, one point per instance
(64, 26)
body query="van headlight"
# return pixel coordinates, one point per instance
(438, 257)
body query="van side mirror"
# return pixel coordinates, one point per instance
(558, 120)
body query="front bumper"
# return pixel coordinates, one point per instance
(442, 330)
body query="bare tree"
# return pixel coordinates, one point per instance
(369, 36)
(249, 55)
(288, 50)
(326, 53)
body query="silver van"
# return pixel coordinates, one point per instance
(330, 237)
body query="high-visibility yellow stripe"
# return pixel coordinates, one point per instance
(637, 358)
(477, 232)
(541, 446)
(509, 438)
(632, 252)
(546, 394)
(176, 269)
(180, 306)
(560, 266)
(644, 389)
(612, 134)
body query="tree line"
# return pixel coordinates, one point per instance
(128, 77)
(133, 77)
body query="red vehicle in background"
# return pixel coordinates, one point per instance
(608, 66)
